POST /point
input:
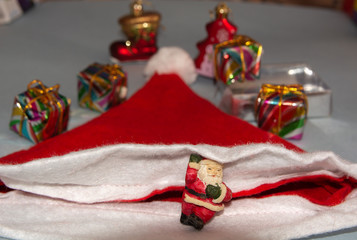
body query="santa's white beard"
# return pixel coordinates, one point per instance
(212, 180)
(207, 179)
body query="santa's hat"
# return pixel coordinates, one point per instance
(139, 151)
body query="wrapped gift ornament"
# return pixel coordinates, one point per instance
(282, 110)
(101, 87)
(238, 99)
(140, 28)
(219, 30)
(40, 112)
(237, 60)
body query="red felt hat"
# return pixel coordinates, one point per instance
(140, 149)
(164, 111)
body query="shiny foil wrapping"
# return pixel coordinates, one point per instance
(282, 110)
(237, 60)
(238, 99)
(101, 87)
(40, 112)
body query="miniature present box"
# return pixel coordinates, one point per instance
(282, 110)
(40, 112)
(237, 60)
(238, 99)
(101, 87)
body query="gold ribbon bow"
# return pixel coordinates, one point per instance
(47, 95)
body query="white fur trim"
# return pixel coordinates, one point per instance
(273, 218)
(172, 60)
(132, 171)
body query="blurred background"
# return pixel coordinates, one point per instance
(334, 4)
(347, 6)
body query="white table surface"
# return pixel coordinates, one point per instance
(56, 40)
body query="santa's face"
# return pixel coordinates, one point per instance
(211, 173)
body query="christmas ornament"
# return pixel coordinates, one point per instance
(101, 87)
(204, 192)
(219, 30)
(40, 112)
(141, 29)
(237, 60)
(138, 152)
(282, 110)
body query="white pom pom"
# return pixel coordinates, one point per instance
(172, 60)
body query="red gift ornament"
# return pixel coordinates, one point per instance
(140, 28)
(218, 31)
(282, 110)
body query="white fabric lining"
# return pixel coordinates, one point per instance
(132, 171)
(279, 217)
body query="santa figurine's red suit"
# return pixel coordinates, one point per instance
(204, 192)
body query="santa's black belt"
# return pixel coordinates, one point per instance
(200, 195)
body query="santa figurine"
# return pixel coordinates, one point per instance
(204, 192)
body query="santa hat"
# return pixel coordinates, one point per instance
(87, 178)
